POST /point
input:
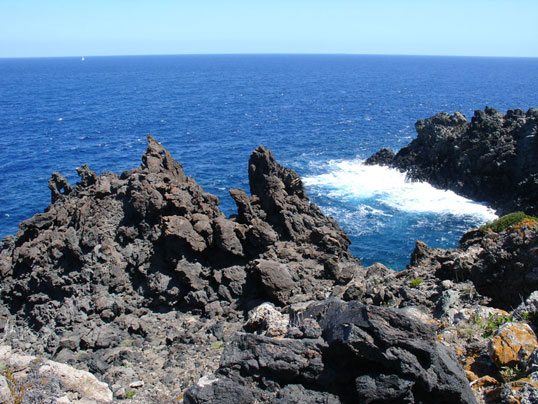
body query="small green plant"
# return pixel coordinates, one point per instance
(464, 332)
(415, 282)
(30, 386)
(15, 387)
(530, 317)
(468, 291)
(490, 324)
(504, 222)
(126, 343)
(217, 345)
(130, 394)
(511, 373)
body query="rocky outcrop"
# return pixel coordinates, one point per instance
(501, 265)
(141, 280)
(350, 353)
(152, 238)
(119, 260)
(493, 158)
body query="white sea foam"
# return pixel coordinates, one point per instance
(351, 180)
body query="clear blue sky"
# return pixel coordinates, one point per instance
(122, 27)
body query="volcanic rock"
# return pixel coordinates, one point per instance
(366, 354)
(118, 262)
(140, 279)
(36, 380)
(493, 158)
(501, 265)
(513, 345)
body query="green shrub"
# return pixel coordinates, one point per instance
(127, 343)
(415, 282)
(511, 373)
(504, 222)
(130, 394)
(492, 323)
(32, 387)
(530, 317)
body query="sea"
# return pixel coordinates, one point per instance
(321, 115)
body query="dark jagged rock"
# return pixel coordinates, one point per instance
(494, 158)
(502, 266)
(279, 198)
(58, 186)
(367, 354)
(139, 235)
(382, 157)
(115, 253)
(140, 276)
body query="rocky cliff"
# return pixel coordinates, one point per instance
(493, 158)
(141, 280)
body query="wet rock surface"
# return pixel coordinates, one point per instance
(493, 158)
(141, 280)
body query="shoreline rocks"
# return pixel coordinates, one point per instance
(493, 158)
(142, 281)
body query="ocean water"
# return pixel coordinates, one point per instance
(320, 114)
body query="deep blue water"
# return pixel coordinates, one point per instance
(319, 114)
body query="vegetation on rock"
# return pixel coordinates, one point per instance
(507, 221)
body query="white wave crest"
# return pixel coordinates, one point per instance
(352, 181)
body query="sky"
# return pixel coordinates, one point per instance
(37, 28)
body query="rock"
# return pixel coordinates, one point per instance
(276, 280)
(81, 382)
(528, 308)
(226, 237)
(383, 157)
(279, 198)
(512, 345)
(44, 378)
(524, 391)
(493, 158)
(136, 384)
(500, 265)
(181, 228)
(267, 320)
(485, 381)
(5, 392)
(126, 275)
(140, 276)
(59, 187)
(367, 354)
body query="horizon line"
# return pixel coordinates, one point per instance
(269, 54)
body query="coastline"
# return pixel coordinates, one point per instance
(139, 276)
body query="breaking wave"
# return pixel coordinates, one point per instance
(353, 181)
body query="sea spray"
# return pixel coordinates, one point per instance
(385, 213)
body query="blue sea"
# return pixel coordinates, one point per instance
(320, 114)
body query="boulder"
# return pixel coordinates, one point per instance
(512, 345)
(35, 375)
(366, 354)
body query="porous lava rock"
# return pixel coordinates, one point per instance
(140, 279)
(117, 262)
(365, 354)
(493, 158)
(501, 265)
